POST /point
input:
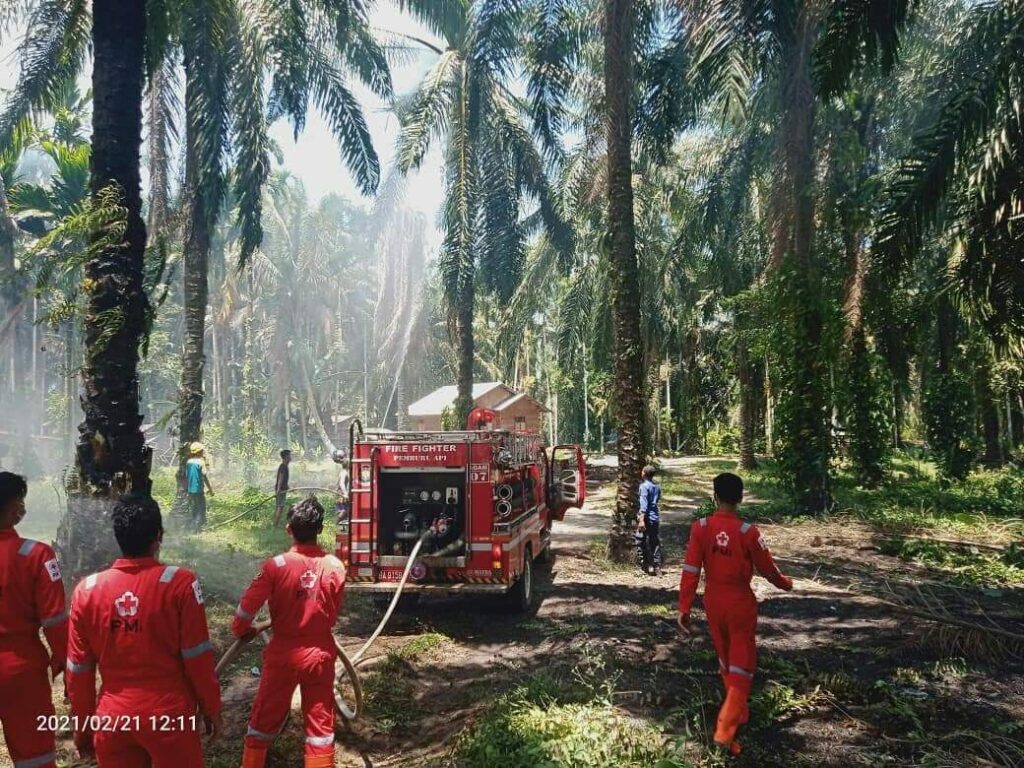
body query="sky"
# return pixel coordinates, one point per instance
(314, 156)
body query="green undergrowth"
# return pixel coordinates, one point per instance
(544, 723)
(389, 690)
(971, 566)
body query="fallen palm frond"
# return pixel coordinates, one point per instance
(974, 748)
(961, 625)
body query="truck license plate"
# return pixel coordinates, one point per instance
(389, 574)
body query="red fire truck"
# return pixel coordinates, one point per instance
(483, 501)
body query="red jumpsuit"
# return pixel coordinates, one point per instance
(305, 587)
(31, 596)
(143, 624)
(729, 549)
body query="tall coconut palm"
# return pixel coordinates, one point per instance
(490, 158)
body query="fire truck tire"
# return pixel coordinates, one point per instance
(520, 598)
(546, 556)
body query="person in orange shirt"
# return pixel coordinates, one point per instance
(143, 625)
(31, 597)
(728, 549)
(305, 589)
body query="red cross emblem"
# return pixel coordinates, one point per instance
(308, 580)
(723, 539)
(127, 604)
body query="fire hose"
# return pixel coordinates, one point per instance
(348, 664)
(253, 507)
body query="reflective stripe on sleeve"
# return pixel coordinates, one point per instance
(90, 580)
(279, 561)
(243, 614)
(81, 666)
(168, 573)
(195, 650)
(35, 762)
(691, 568)
(260, 734)
(733, 669)
(320, 741)
(54, 620)
(26, 547)
(745, 527)
(703, 522)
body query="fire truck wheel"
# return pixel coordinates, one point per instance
(520, 597)
(546, 556)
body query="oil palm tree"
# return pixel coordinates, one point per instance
(806, 51)
(963, 171)
(307, 50)
(492, 163)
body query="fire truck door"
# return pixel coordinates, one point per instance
(569, 479)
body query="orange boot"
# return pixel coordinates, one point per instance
(254, 758)
(319, 761)
(734, 712)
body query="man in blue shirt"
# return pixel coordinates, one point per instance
(197, 481)
(648, 520)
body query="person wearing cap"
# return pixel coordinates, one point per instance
(197, 481)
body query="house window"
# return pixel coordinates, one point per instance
(520, 423)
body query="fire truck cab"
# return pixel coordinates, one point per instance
(483, 501)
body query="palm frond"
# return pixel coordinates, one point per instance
(50, 55)
(984, 75)
(345, 118)
(858, 33)
(252, 147)
(426, 114)
(445, 18)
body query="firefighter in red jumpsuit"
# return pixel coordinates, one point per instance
(31, 596)
(728, 549)
(142, 624)
(305, 587)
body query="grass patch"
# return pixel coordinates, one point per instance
(532, 727)
(966, 566)
(660, 610)
(597, 551)
(389, 694)
(423, 646)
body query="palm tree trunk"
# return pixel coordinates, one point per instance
(194, 282)
(748, 405)
(112, 458)
(313, 408)
(12, 302)
(988, 406)
(809, 440)
(465, 351)
(625, 275)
